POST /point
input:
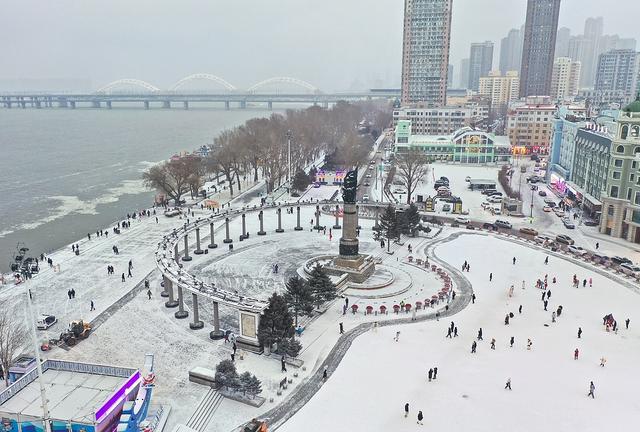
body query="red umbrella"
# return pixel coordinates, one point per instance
(383, 308)
(354, 307)
(369, 309)
(407, 307)
(435, 296)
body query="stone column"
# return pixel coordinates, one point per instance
(186, 256)
(216, 333)
(261, 218)
(357, 222)
(226, 227)
(181, 313)
(176, 255)
(244, 235)
(171, 303)
(317, 214)
(337, 224)
(349, 241)
(196, 324)
(164, 292)
(298, 227)
(279, 229)
(213, 244)
(198, 251)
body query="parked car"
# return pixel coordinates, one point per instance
(470, 227)
(365, 198)
(542, 193)
(496, 210)
(630, 269)
(590, 222)
(567, 223)
(577, 250)
(529, 231)
(599, 258)
(546, 209)
(495, 199)
(486, 205)
(495, 193)
(617, 260)
(488, 191)
(489, 226)
(462, 220)
(564, 239)
(502, 224)
(558, 212)
(46, 321)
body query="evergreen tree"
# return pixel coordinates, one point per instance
(410, 220)
(389, 224)
(301, 181)
(245, 382)
(276, 322)
(254, 386)
(227, 375)
(290, 347)
(298, 297)
(322, 288)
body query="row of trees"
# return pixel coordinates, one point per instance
(280, 319)
(13, 337)
(260, 148)
(411, 167)
(227, 377)
(394, 223)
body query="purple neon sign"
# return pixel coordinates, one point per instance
(117, 396)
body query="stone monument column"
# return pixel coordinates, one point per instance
(168, 285)
(279, 229)
(298, 227)
(186, 256)
(213, 244)
(261, 218)
(216, 333)
(244, 235)
(226, 227)
(196, 324)
(181, 313)
(164, 292)
(198, 251)
(176, 254)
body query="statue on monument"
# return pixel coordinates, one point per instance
(349, 186)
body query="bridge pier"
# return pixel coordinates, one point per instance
(243, 104)
(166, 104)
(62, 103)
(95, 104)
(227, 105)
(146, 105)
(186, 105)
(325, 105)
(270, 105)
(108, 104)
(72, 104)
(38, 104)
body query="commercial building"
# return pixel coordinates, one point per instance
(500, 89)
(466, 145)
(540, 33)
(480, 62)
(621, 198)
(464, 73)
(565, 79)
(511, 51)
(529, 125)
(563, 140)
(442, 120)
(562, 42)
(425, 51)
(617, 76)
(80, 397)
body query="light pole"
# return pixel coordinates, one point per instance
(36, 348)
(288, 135)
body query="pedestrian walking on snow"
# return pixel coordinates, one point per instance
(603, 361)
(129, 273)
(480, 334)
(553, 316)
(341, 328)
(545, 304)
(529, 343)
(455, 332)
(579, 332)
(397, 336)
(449, 332)
(283, 365)
(546, 260)
(508, 384)
(514, 260)
(592, 389)
(473, 347)
(406, 409)
(420, 417)
(473, 298)
(490, 277)
(92, 308)
(123, 278)
(520, 309)
(149, 294)
(512, 341)
(430, 374)
(626, 323)
(493, 343)
(575, 354)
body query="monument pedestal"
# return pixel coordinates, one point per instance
(358, 269)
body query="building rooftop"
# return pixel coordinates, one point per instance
(633, 106)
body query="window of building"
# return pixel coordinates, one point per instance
(613, 193)
(617, 175)
(632, 177)
(617, 162)
(637, 198)
(625, 131)
(610, 211)
(629, 194)
(620, 149)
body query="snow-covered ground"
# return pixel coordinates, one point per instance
(378, 376)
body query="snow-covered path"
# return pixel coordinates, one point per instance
(378, 376)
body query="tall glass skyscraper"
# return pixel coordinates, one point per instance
(425, 51)
(540, 33)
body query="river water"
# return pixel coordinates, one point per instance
(64, 173)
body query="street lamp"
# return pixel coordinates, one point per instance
(289, 135)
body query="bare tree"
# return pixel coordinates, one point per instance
(411, 166)
(13, 337)
(173, 177)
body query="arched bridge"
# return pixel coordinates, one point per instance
(284, 90)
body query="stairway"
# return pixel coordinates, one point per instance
(205, 410)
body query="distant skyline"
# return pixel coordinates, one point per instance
(334, 44)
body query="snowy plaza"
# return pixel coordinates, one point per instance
(370, 375)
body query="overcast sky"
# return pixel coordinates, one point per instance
(334, 44)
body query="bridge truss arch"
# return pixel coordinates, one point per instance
(125, 82)
(284, 80)
(203, 76)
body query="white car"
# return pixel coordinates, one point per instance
(462, 220)
(45, 321)
(577, 250)
(365, 198)
(496, 210)
(630, 269)
(495, 199)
